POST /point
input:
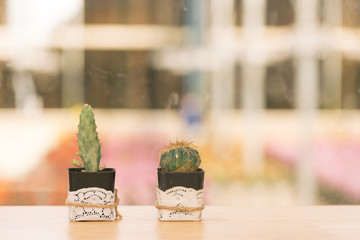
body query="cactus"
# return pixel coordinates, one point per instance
(180, 156)
(89, 144)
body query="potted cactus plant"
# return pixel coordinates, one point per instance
(91, 195)
(180, 183)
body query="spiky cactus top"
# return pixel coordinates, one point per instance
(180, 156)
(89, 144)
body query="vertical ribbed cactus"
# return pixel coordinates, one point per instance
(89, 144)
(180, 156)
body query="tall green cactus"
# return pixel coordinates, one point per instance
(180, 156)
(89, 144)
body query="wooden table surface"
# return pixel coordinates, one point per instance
(140, 222)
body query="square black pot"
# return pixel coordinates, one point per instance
(103, 179)
(167, 180)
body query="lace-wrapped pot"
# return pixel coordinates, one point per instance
(180, 195)
(88, 191)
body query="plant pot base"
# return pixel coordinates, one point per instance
(179, 197)
(82, 199)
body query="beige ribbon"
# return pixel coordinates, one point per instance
(180, 209)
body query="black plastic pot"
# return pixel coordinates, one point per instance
(167, 180)
(103, 179)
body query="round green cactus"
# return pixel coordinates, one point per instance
(180, 156)
(89, 144)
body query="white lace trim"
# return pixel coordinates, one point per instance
(91, 195)
(179, 197)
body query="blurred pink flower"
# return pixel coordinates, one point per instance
(135, 159)
(337, 163)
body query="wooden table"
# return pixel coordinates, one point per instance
(140, 222)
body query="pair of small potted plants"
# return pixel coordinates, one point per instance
(93, 197)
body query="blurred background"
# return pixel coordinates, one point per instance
(269, 91)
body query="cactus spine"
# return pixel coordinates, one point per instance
(89, 144)
(180, 156)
